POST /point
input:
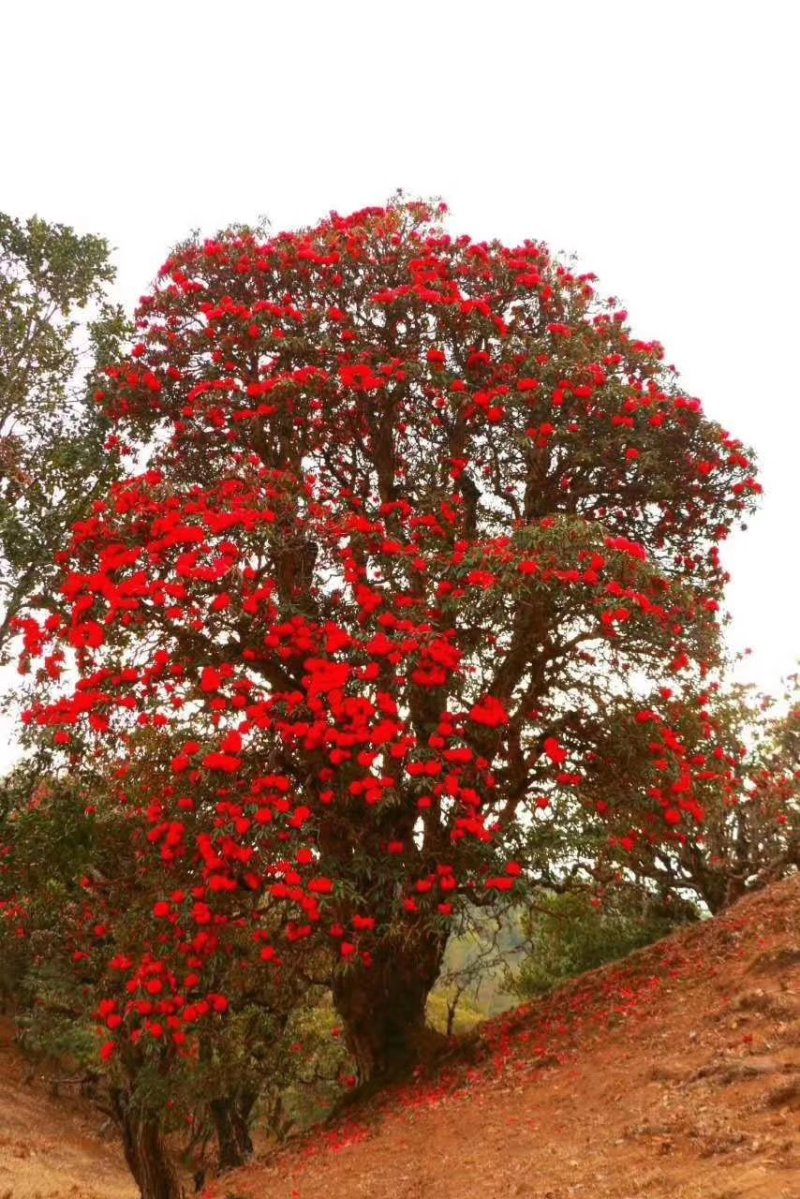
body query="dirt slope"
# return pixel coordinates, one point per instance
(51, 1149)
(673, 1076)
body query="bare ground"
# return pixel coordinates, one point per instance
(673, 1075)
(52, 1148)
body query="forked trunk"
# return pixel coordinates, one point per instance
(145, 1151)
(231, 1117)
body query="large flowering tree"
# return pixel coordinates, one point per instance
(421, 522)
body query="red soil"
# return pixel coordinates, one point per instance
(53, 1147)
(672, 1075)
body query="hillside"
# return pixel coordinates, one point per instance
(52, 1147)
(673, 1075)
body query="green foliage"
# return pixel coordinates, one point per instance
(52, 846)
(316, 1059)
(57, 330)
(571, 933)
(450, 1011)
(471, 987)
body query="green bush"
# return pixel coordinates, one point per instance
(572, 933)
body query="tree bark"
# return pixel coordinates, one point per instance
(145, 1151)
(231, 1117)
(383, 1008)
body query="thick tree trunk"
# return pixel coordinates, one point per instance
(231, 1117)
(383, 1008)
(145, 1151)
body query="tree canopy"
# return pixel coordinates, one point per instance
(423, 524)
(57, 329)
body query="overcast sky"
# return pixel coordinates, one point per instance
(657, 140)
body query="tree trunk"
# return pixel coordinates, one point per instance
(231, 1117)
(383, 1007)
(145, 1151)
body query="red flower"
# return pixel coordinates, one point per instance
(359, 378)
(623, 546)
(555, 752)
(490, 712)
(500, 884)
(210, 680)
(226, 763)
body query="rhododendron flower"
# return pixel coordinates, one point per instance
(360, 378)
(210, 679)
(555, 752)
(623, 546)
(490, 712)
(227, 763)
(500, 884)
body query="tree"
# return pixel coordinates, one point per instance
(420, 518)
(87, 947)
(57, 329)
(741, 749)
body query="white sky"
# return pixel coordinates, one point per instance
(657, 139)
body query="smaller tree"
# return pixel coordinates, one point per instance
(726, 758)
(58, 329)
(191, 1025)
